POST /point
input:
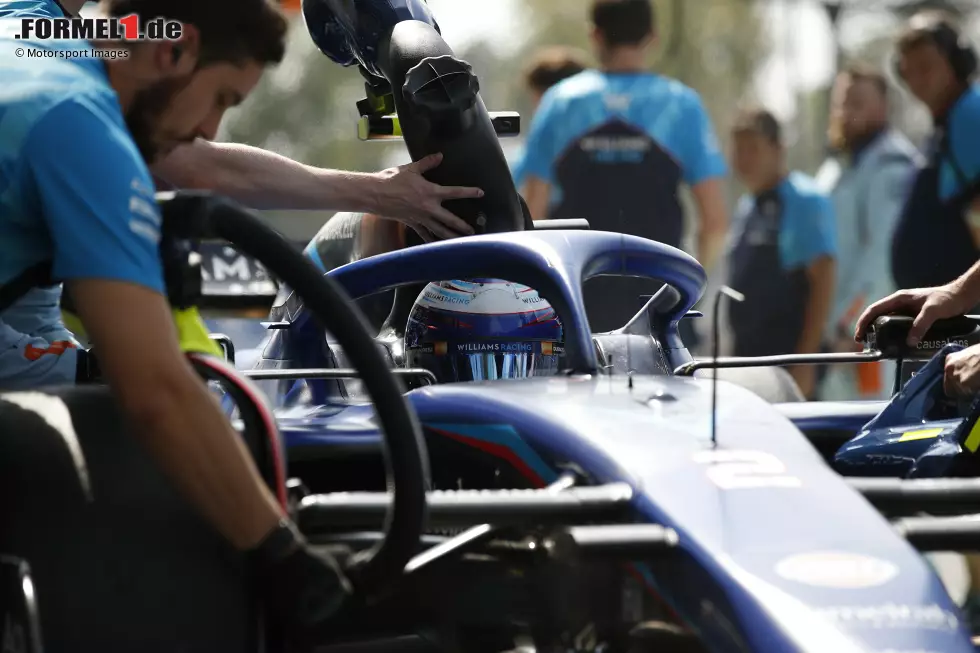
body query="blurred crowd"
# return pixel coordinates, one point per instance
(616, 144)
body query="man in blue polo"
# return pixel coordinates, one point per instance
(615, 145)
(783, 250)
(938, 235)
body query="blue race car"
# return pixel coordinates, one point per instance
(494, 485)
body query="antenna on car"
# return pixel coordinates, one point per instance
(731, 293)
(622, 266)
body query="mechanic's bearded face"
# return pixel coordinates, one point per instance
(177, 110)
(858, 111)
(929, 77)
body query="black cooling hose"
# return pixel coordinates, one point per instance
(440, 110)
(200, 215)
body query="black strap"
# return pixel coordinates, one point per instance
(33, 277)
(946, 151)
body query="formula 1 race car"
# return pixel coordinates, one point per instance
(643, 510)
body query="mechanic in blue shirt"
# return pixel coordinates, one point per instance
(261, 179)
(938, 235)
(549, 66)
(614, 145)
(76, 198)
(783, 250)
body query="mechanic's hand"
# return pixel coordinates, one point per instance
(413, 200)
(302, 589)
(926, 304)
(806, 378)
(961, 375)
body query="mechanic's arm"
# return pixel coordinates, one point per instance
(97, 201)
(820, 274)
(170, 409)
(537, 194)
(264, 180)
(814, 244)
(709, 195)
(704, 170)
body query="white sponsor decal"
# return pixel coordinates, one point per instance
(490, 298)
(739, 470)
(836, 569)
(892, 615)
(144, 230)
(141, 207)
(237, 269)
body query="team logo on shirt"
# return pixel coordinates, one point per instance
(57, 348)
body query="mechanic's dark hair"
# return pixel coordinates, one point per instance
(761, 121)
(232, 31)
(863, 72)
(553, 64)
(940, 29)
(624, 22)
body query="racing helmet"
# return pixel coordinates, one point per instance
(481, 330)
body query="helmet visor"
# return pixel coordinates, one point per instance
(488, 361)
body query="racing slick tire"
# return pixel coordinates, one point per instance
(116, 553)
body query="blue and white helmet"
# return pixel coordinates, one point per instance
(483, 329)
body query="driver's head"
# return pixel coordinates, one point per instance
(483, 329)
(173, 92)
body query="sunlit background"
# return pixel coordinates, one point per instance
(782, 53)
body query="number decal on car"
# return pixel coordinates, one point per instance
(739, 470)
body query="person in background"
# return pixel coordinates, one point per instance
(868, 181)
(783, 250)
(937, 236)
(549, 66)
(615, 145)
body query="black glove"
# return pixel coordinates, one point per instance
(87, 367)
(302, 589)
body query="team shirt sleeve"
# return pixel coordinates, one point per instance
(811, 232)
(96, 196)
(700, 150)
